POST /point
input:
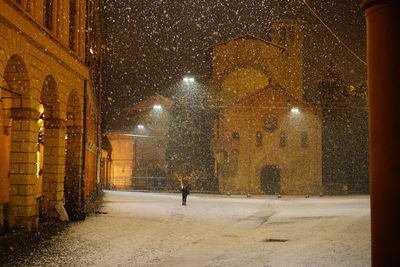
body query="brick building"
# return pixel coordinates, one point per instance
(49, 108)
(268, 143)
(138, 154)
(266, 138)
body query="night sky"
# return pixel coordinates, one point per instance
(152, 44)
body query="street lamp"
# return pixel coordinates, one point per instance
(188, 79)
(157, 107)
(295, 110)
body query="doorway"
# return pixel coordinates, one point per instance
(270, 179)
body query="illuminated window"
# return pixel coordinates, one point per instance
(48, 14)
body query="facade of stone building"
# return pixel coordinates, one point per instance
(122, 160)
(245, 64)
(268, 143)
(266, 138)
(49, 110)
(138, 155)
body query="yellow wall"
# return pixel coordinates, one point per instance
(91, 145)
(301, 167)
(247, 63)
(242, 82)
(251, 58)
(122, 158)
(42, 53)
(5, 139)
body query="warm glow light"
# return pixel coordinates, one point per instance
(140, 126)
(188, 79)
(91, 51)
(157, 107)
(41, 109)
(295, 110)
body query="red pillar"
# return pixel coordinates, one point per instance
(383, 49)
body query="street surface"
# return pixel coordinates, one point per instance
(150, 229)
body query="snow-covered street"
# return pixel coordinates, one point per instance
(150, 229)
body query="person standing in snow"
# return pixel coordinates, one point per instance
(185, 188)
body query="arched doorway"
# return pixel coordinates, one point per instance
(270, 177)
(73, 185)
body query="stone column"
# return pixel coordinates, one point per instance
(23, 169)
(383, 49)
(54, 162)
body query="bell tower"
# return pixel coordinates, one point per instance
(289, 34)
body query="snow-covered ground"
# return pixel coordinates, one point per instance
(149, 229)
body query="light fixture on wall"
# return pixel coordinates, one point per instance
(295, 110)
(157, 107)
(188, 79)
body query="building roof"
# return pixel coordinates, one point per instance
(247, 36)
(274, 93)
(148, 103)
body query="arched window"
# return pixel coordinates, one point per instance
(235, 136)
(304, 139)
(259, 139)
(282, 139)
(48, 14)
(72, 23)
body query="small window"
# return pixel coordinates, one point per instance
(28, 6)
(48, 14)
(259, 139)
(304, 139)
(282, 139)
(72, 24)
(282, 34)
(235, 136)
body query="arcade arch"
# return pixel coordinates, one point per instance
(73, 182)
(23, 168)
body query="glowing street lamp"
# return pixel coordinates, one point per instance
(157, 107)
(295, 110)
(188, 79)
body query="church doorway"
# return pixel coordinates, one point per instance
(270, 179)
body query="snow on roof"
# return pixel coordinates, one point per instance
(148, 103)
(247, 36)
(279, 93)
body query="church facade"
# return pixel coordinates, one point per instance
(266, 139)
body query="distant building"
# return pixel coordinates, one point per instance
(268, 143)
(138, 155)
(49, 115)
(266, 139)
